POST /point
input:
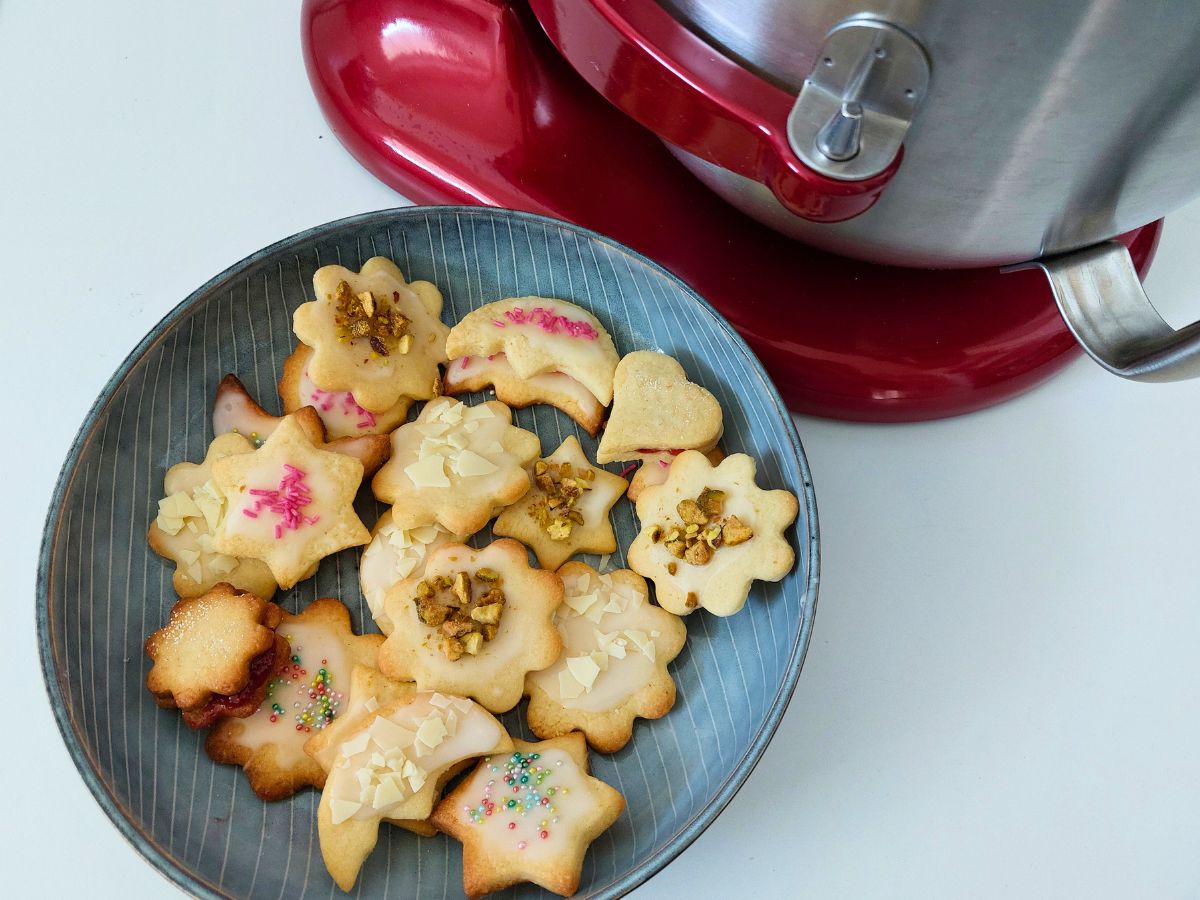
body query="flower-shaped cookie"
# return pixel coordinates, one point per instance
(709, 531)
(474, 624)
(653, 470)
(474, 373)
(392, 766)
(234, 410)
(613, 669)
(304, 698)
(395, 554)
(566, 511)
(656, 409)
(340, 413)
(289, 504)
(539, 335)
(456, 465)
(373, 334)
(539, 830)
(187, 519)
(215, 655)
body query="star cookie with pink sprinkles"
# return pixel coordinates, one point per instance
(289, 503)
(529, 816)
(304, 698)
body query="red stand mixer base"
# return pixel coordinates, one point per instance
(466, 101)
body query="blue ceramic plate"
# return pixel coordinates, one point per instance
(101, 591)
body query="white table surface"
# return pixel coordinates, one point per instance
(1001, 694)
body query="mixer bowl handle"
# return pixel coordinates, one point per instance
(1106, 308)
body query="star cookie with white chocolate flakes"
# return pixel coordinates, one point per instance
(289, 504)
(474, 624)
(456, 465)
(373, 334)
(392, 767)
(567, 509)
(395, 554)
(708, 532)
(613, 669)
(188, 516)
(215, 655)
(528, 816)
(304, 698)
(340, 412)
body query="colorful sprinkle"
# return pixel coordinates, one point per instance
(286, 502)
(524, 775)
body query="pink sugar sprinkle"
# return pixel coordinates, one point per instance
(493, 356)
(325, 400)
(550, 322)
(498, 323)
(466, 361)
(286, 502)
(629, 468)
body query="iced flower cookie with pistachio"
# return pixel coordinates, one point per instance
(657, 410)
(456, 465)
(373, 334)
(289, 504)
(340, 412)
(709, 531)
(188, 515)
(613, 668)
(215, 655)
(393, 555)
(566, 511)
(235, 411)
(303, 698)
(392, 766)
(474, 624)
(529, 815)
(512, 342)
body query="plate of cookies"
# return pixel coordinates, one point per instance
(431, 552)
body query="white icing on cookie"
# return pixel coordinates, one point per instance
(339, 411)
(290, 715)
(496, 368)
(393, 555)
(533, 818)
(391, 759)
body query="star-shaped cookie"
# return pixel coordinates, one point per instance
(537, 335)
(340, 412)
(303, 699)
(709, 531)
(474, 624)
(391, 767)
(566, 511)
(234, 410)
(188, 515)
(395, 554)
(529, 816)
(289, 504)
(613, 668)
(456, 465)
(215, 655)
(373, 334)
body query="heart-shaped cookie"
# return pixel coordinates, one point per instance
(655, 409)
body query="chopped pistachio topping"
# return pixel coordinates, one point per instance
(464, 621)
(367, 316)
(559, 485)
(701, 531)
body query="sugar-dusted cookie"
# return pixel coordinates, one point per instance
(653, 470)
(709, 531)
(474, 373)
(539, 335)
(340, 413)
(566, 511)
(474, 624)
(656, 409)
(215, 655)
(289, 504)
(234, 410)
(456, 465)
(373, 334)
(394, 554)
(188, 516)
(613, 669)
(391, 767)
(304, 698)
(528, 815)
